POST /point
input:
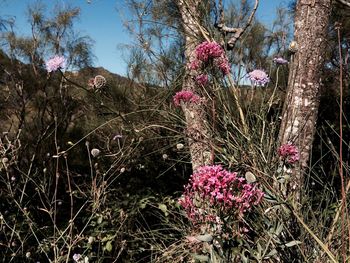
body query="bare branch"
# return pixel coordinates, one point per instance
(344, 2)
(236, 31)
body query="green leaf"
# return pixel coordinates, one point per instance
(293, 243)
(271, 254)
(244, 259)
(201, 258)
(204, 238)
(109, 246)
(259, 248)
(108, 238)
(279, 229)
(250, 177)
(164, 209)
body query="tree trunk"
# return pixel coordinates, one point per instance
(302, 99)
(195, 114)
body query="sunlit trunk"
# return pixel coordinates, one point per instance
(302, 99)
(196, 120)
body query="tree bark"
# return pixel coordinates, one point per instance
(302, 99)
(195, 114)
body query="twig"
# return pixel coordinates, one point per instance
(236, 31)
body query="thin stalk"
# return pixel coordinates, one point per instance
(71, 211)
(55, 194)
(235, 96)
(343, 245)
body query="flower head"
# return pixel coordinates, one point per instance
(55, 63)
(185, 96)
(117, 137)
(280, 61)
(180, 146)
(95, 152)
(99, 81)
(208, 50)
(289, 152)
(259, 77)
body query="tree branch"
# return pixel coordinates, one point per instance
(237, 32)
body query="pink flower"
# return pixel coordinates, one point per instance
(55, 63)
(185, 96)
(280, 61)
(208, 50)
(289, 152)
(259, 77)
(202, 79)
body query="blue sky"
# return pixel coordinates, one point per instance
(102, 20)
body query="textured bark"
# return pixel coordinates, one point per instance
(196, 120)
(302, 99)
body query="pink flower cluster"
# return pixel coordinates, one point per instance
(212, 187)
(289, 152)
(185, 96)
(55, 63)
(207, 52)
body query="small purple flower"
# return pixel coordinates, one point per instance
(76, 257)
(280, 61)
(259, 77)
(55, 63)
(117, 137)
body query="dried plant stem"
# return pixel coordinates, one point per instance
(56, 254)
(336, 218)
(234, 92)
(71, 221)
(321, 244)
